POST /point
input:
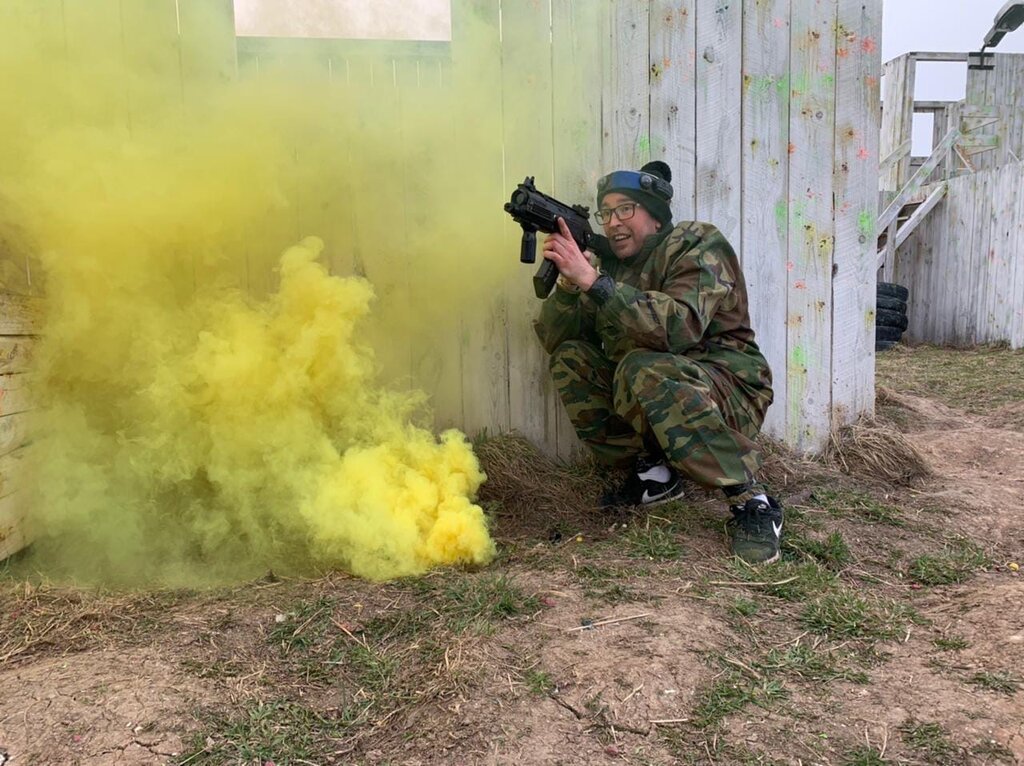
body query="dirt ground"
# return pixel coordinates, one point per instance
(891, 633)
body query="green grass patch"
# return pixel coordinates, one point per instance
(992, 749)
(744, 607)
(831, 552)
(539, 682)
(280, 731)
(480, 603)
(851, 503)
(864, 756)
(1000, 682)
(951, 643)
(787, 580)
(809, 664)
(731, 693)
(956, 563)
(844, 614)
(930, 739)
(305, 626)
(654, 541)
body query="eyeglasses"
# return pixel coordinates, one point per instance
(623, 212)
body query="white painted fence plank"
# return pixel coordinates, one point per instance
(765, 155)
(960, 278)
(577, 132)
(626, 100)
(527, 80)
(484, 339)
(811, 227)
(673, 88)
(897, 118)
(719, 106)
(855, 172)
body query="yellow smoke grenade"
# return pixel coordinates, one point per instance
(207, 406)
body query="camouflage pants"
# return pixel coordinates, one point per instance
(692, 413)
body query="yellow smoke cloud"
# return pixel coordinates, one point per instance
(208, 407)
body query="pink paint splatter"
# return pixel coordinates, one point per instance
(868, 45)
(863, 153)
(778, 23)
(800, 284)
(790, 265)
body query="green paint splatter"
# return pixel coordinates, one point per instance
(866, 223)
(798, 358)
(782, 217)
(643, 147)
(828, 80)
(782, 85)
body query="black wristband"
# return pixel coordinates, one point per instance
(602, 289)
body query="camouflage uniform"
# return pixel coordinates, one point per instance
(668, 363)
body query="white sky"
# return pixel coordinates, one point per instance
(940, 25)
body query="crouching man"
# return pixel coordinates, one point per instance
(654, 359)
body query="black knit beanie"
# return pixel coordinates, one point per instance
(654, 194)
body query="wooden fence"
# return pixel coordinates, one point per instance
(964, 265)
(19, 320)
(765, 109)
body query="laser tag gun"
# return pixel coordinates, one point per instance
(535, 211)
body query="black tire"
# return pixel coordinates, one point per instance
(892, 290)
(891, 304)
(887, 333)
(884, 345)
(886, 318)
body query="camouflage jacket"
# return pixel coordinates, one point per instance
(684, 293)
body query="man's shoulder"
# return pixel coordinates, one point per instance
(695, 236)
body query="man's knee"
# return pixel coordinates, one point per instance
(642, 367)
(572, 354)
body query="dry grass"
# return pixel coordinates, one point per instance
(525, 486)
(67, 620)
(875, 451)
(978, 380)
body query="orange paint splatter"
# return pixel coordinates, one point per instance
(868, 45)
(792, 148)
(843, 53)
(800, 284)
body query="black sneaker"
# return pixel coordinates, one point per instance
(650, 483)
(756, 531)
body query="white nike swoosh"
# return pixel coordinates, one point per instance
(648, 497)
(777, 528)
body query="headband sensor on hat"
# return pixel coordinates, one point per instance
(635, 181)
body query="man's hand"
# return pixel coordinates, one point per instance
(561, 249)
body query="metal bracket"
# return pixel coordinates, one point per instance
(981, 65)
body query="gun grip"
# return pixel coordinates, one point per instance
(528, 248)
(545, 279)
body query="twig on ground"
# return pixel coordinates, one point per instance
(738, 583)
(601, 623)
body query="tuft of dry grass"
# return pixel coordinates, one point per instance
(68, 620)
(525, 486)
(876, 451)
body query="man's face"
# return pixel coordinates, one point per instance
(627, 237)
